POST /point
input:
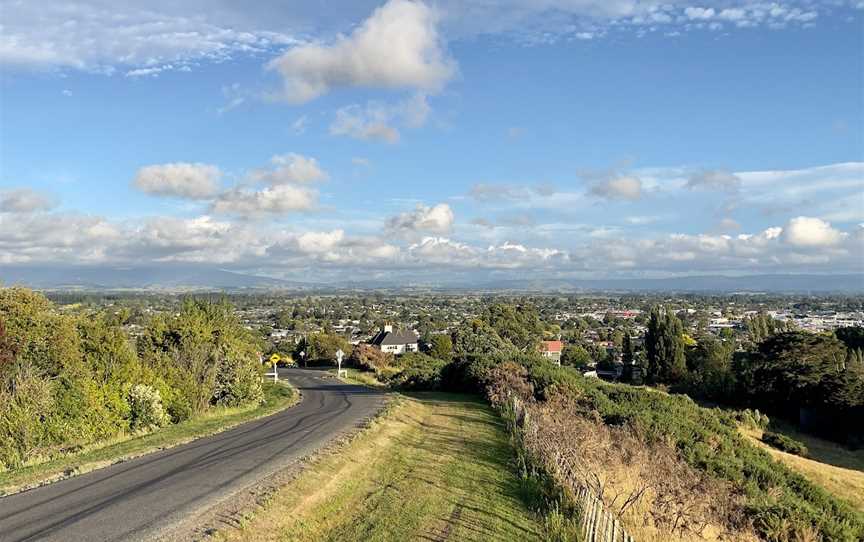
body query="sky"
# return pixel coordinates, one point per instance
(414, 140)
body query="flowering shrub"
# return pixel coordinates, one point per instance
(145, 407)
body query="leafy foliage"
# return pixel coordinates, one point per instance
(784, 443)
(67, 380)
(664, 346)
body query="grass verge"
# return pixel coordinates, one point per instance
(361, 378)
(276, 397)
(435, 467)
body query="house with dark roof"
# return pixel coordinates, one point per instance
(395, 342)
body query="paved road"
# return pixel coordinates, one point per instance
(134, 500)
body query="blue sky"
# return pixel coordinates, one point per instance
(513, 139)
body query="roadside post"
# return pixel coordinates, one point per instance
(303, 357)
(273, 362)
(339, 369)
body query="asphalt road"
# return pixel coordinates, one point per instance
(137, 499)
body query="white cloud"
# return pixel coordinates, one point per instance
(623, 188)
(376, 121)
(290, 168)
(24, 200)
(398, 46)
(280, 199)
(715, 179)
(100, 37)
(697, 13)
(320, 241)
(437, 219)
(181, 180)
(810, 232)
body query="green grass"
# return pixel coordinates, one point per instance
(362, 378)
(276, 397)
(434, 467)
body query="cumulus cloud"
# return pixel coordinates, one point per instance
(441, 251)
(180, 180)
(620, 188)
(437, 219)
(398, 46)
(290, 168)
(378, 122)
(320, 241)
(810, 232)
(717, 179)
(24, 200)
(274, 200)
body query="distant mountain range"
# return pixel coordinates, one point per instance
(145, 278)
(171, 278)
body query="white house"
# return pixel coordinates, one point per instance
(395, 342)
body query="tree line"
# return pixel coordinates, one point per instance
(69, 380)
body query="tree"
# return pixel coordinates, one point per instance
(368, 358)
(518, 325)
(762, 326)
(790, 369)
(575, 355)
(627, 349)
(709, 363)
(441, 347)
(664, 345)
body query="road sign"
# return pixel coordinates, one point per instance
(339, 354)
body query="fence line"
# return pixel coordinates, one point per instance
(598, 524)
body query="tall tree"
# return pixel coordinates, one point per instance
(664, 345)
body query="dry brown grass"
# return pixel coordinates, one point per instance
(657, 496)
(846, 483)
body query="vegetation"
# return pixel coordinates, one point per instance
(81, 459)
(781, 504)
(436, 467)
(784, 443)
(69, 381)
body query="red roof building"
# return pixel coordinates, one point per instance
(552, 350)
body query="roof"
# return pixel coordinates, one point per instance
(551, 346)
(384, 338)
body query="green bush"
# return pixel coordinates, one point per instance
(419, 372)
(784, 443)
(66, 381)
(752, 419)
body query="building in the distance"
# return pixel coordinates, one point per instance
(552, 350)
(395, 342)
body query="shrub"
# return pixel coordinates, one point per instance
(752, 418)
(784, 443)
(419, 372)
(145, 407)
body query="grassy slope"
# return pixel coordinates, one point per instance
(434, 467)
(835, 468)
(276, 397)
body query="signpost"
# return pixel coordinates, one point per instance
(273, 362)
(303, 357)
(339, 370)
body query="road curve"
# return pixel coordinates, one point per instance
(135, 500)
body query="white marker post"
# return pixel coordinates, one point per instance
(339, 370)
